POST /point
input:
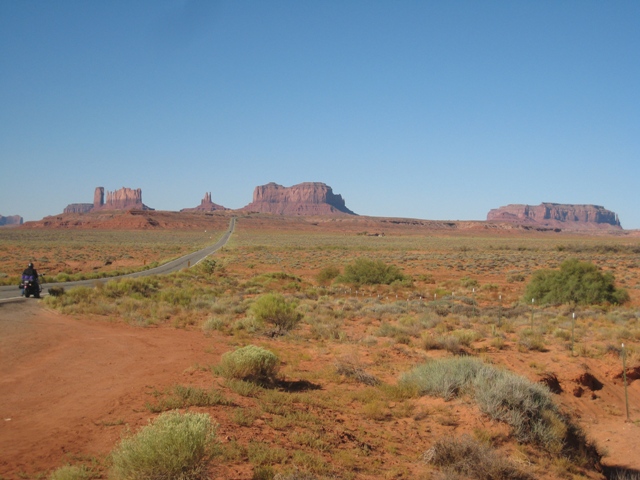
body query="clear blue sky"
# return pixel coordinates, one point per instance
(420, 109)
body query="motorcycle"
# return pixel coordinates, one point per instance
(31, 287)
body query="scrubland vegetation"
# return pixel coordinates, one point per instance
(365, 357)
(67, 255)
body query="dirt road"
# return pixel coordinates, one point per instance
(68, 387)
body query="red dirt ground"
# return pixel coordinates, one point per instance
(68, 386)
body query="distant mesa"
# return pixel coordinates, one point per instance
(309, 198)
(11, 220)
(566, 217)
(206, 205)
(123, 199)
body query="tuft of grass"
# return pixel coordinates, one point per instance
(261, 453)
(182, 397)
(71, 472)
(175, 445)
(244, 388)
(351, 370)
(471, 459)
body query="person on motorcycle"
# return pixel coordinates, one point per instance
(30, 274)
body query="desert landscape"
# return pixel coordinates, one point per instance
(85, 369)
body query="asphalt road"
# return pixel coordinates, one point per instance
(12, 292)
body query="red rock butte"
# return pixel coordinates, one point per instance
(123, 199)
(206, 205)
(564, 216)
(309, 198)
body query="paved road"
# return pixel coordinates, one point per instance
(12, 292)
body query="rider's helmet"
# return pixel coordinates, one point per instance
(30, 265)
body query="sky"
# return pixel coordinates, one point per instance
(438, 110)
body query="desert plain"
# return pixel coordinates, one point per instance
(82, 370)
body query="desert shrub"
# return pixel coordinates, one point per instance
(136, 287)
(469, 458)
(352, 370)
(274, 309)
(530, 340)
(371, 272)
(468, 282)
(576, 283)
(207, 266)
(213, 323)
(249, 363)
(175, 445)
(443, 378)
(451, 343)
(327, 275)
(71, 472)
(56, 291)
(525, 406)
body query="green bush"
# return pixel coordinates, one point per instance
(371, 272)
(575, 283)
(175, 446)
(249, 363)
(274, 309)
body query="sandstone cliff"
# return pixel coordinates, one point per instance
(123, 199)
(309, 198)
(206, 205)
(11, 220)
(573, 217)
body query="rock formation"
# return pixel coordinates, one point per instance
(206, 205)
(11, 220)
(309, 198)
(78, 208)
(563, 216)
(98, 197)
(123, 199)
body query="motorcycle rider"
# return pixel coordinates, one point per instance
(30, 274)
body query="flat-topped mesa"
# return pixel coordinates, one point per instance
(309, 198)
(78, 208)
(11, 220)
(573, 217)
(206, 205)
(123, 199)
